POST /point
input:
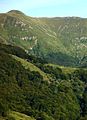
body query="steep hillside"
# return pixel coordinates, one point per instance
(58, 40)
(31, 66)
(72, 32)
(25, 89)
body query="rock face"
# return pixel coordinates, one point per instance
(59, 40)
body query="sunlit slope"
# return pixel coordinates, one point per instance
(12, 115)
(59, 40)
(30, 66)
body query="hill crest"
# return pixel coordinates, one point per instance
(59, 40)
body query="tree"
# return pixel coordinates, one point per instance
(3, 109)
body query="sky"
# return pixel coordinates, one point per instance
(46, 8)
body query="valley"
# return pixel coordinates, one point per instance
(59, 40)
(43, 67)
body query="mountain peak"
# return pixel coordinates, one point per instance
(15, 11)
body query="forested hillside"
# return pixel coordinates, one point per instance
(30, 85)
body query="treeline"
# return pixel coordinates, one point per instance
(15, 50)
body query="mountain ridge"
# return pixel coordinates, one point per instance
(31, 86)
(49, 38)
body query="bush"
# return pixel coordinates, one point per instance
(3, 109)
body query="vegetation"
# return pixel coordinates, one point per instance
(25, 90)
(61, 41)
(18, 116)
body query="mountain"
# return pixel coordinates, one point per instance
(33, 89)
(31, 86)
(58, 40)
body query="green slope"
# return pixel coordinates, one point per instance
(20, 116)
(31, 66)
(59, 40)
(12, 115)
(64, 69)
(25, 91)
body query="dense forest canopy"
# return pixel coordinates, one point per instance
(63, 96)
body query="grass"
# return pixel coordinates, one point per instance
(12, 115)
(64, 69)
(31, 66)
(20, 116)
(54, 35)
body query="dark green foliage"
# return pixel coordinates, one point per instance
(14, 50)
(55, 72)
(44, 116)
(84, 103)
(27, 92)
(80, 74)
(62, 59)
(3, 108)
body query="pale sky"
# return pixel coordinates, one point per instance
(46, 8)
